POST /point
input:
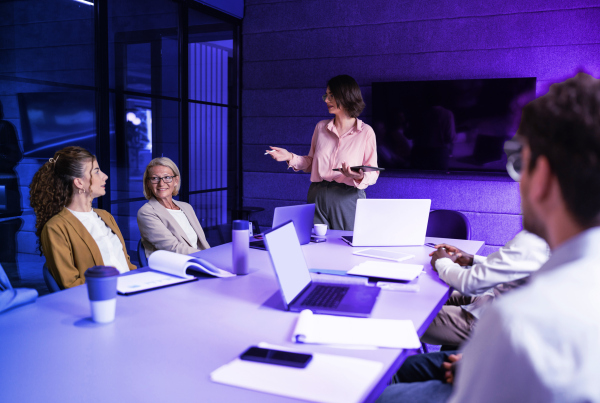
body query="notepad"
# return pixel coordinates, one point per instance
(327, 378)
(343, 330)
(389, 270)
(169, 268)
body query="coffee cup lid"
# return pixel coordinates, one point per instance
(101, 271)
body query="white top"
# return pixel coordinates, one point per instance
(185, 225)
(540, 343)
(507, 268)
(108, 242)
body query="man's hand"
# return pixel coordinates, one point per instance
(357, 176)
(440, 254)
(456, 255)
(279, 154)
(450, 367)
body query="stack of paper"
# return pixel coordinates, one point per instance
(342, 330)
(394, 271)
(327, 378)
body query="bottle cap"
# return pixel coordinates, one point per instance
(241, 225)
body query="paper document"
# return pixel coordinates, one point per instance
(327, 378)
(394, 271)
(146, 281)
(173, 268)
(384, 254)
(343, 330)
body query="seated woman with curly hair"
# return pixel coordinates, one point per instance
(74, 236)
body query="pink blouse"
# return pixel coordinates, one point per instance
(328, 150)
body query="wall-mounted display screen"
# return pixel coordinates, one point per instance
(449, 125)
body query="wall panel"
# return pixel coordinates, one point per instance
(278, 15)
(553, 28)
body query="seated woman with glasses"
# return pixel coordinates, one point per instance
(73, 235)
(167, 224)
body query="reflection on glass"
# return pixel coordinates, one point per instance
(143, 46)
(208, 147)
(53, 120)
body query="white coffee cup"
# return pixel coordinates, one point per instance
(320, 229)
(103, 311)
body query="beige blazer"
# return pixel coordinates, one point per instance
(160, 231)
(70, 249)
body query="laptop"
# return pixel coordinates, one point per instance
(297, 289)
(390, 222)
(303, 217)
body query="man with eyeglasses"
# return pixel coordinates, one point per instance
(541, 343)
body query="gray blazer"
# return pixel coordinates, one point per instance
(160, 231)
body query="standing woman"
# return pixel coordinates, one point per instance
(341, 142)
(73, 235)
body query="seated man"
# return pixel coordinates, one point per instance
(477, 284)
(540, 343)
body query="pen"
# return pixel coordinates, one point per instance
(268, 152)
(431, 245)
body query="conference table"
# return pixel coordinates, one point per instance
(164, 343)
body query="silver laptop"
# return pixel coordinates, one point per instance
(390, 222)
(303, 217)
(297, 289)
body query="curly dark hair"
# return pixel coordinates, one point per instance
(52, 186)
(564, 126)
(346, 92)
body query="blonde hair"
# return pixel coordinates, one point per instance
(165, 162)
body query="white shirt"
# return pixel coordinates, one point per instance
(108, 242)
(507, 268)
(185, 225)
(540, 343)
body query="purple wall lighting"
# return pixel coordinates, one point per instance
(292, 48)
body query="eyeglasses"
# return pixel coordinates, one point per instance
(325, 96)
(165, 179)
(514, 164)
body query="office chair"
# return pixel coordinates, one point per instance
(4, 281)
(448, 224)
(50, 281)
(141, 252)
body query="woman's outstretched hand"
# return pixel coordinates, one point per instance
(279, 154)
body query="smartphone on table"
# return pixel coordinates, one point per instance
(276, 357)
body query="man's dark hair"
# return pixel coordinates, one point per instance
(564, 126)
(346, 92)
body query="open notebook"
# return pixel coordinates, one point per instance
(168, 268)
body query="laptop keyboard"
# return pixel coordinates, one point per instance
(325, 296)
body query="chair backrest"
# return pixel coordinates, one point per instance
(4, 281)
(50, 281)
(448, 224)
(141, 252)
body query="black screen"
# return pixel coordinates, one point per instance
(450, 125)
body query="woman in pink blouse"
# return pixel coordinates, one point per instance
(341, 142)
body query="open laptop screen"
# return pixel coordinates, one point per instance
(288, 260)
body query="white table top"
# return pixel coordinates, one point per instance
(164, 343)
